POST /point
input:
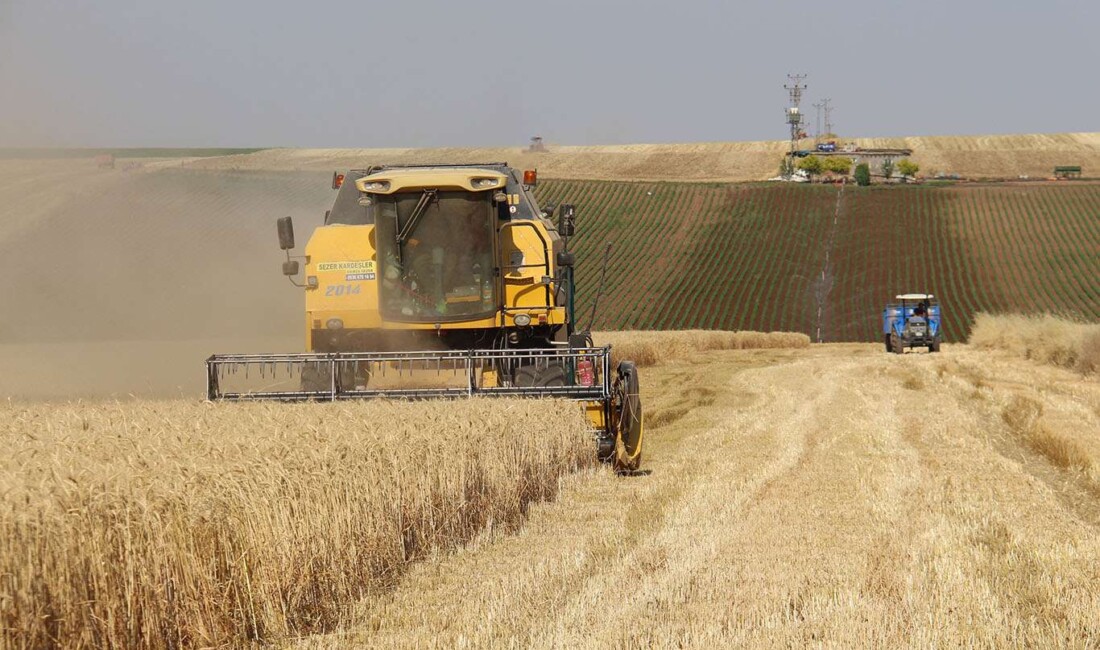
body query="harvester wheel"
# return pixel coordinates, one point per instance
(627, 418)
(315, 377)
(533, 376)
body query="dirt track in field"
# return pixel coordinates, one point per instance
(835, 496)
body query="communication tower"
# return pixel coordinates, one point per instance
(794, 113)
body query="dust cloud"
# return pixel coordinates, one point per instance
(127, 285)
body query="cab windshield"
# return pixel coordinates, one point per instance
(435, 252)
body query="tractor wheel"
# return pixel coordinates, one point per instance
(897, 344)
(627, 418)
(889, 348)
(935, 347)
(535, 377)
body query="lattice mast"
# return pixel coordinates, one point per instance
(794, 112)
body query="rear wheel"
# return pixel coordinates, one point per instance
(889, 348)
(627, 418)
(935, 347)
(897, 344)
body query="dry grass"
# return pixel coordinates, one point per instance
(175, 523)
(649, 348)
(997, 155)
(1047, 339)
(1023, 415)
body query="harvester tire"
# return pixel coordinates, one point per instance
(315, 377)
(628, 423)
(534, 377)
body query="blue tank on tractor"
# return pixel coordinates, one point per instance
(913, 320)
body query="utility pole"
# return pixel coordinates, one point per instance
(828, 115)
(817, 130)
(794, 114)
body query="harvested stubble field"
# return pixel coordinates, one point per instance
(184, 524)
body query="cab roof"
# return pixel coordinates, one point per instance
(473, 178)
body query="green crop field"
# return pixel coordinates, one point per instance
(823, 260)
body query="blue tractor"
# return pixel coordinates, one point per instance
(913, 321)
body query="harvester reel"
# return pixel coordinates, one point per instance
(627, 418)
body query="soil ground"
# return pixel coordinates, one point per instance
(835, 497)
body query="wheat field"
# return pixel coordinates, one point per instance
(1044, 338)
(827, 495)
(188, 524)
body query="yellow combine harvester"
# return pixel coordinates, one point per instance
(440, 281)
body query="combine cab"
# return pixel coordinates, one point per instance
(913, 321)
(441, 281)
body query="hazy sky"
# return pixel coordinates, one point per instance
(440, 72)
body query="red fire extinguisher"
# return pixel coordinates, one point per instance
(586, 372)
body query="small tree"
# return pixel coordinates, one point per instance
(838, 165)
(786, 167)
(812, 165)
(863, 174)
(888, 167)
(907, 167)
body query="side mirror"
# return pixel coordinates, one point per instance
(286, 233)
(290, 268)
(567, 220)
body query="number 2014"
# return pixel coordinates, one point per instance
(342, 289)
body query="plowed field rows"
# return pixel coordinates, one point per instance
(823, 260)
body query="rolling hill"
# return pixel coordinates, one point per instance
(1006, 156)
